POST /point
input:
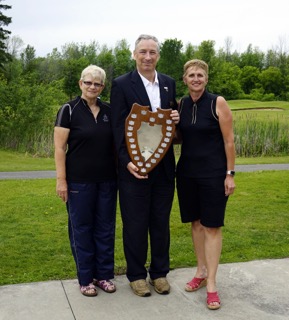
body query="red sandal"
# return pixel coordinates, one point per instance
(195, 284)
(213, 300)
(105, 285)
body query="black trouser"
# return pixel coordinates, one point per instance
(91, 212)
(145, 209)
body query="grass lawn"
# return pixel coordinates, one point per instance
(33, 223)
(33, 228)
(259, 105)
(250, 110)
(14, 161)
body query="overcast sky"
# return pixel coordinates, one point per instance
(45, 25)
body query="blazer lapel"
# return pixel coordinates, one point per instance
(139, 89)
(164, 91)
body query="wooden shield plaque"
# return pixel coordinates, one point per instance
(148, 136)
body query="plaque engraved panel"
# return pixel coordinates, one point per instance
(148, 136)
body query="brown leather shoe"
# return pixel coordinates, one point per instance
(140, 288)
(161, 285)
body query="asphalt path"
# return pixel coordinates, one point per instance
(51, 174)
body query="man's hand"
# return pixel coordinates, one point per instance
(175, 116)
(134, 171)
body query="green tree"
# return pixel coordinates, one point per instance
(249, 78)
(71, 51)
(189, 52)
(106, 60)
(271, 59)
(4, 21)
(72, 71)
(27, 110)
(51, 68)
(227, 82)
(252, 57)
(171, 58)
(13, 67)
(90, 51)
(206, 51)
(171, 62)
(272, 81)
(28, 58)
(123, 58)
(228, 48)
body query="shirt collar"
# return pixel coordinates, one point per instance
(146, 82)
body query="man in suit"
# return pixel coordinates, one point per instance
(145, 201)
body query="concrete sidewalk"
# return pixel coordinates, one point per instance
(52, 174)
(256, 290)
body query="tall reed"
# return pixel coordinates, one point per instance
(38, 142)
(257, 136)
(254, 136)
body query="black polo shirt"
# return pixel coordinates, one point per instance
(90, 154)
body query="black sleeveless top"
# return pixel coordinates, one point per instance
(203, 152)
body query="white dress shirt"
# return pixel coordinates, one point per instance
(153, 91)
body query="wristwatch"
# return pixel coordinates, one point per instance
(230, 172)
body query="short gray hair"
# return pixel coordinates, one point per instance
(147, 37)
(94, 71)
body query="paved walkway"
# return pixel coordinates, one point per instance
(255, 290)
(51, 174)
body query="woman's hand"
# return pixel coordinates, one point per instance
(229, 185)
(61, 189)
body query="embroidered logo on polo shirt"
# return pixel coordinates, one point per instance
(105, 118)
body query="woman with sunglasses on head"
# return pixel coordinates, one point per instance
(86, 181)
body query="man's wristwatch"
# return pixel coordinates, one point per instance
(230, 172)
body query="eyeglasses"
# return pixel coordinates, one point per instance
(95, 84)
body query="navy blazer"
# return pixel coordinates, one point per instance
(127, 90)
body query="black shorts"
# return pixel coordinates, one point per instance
(202, 199)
